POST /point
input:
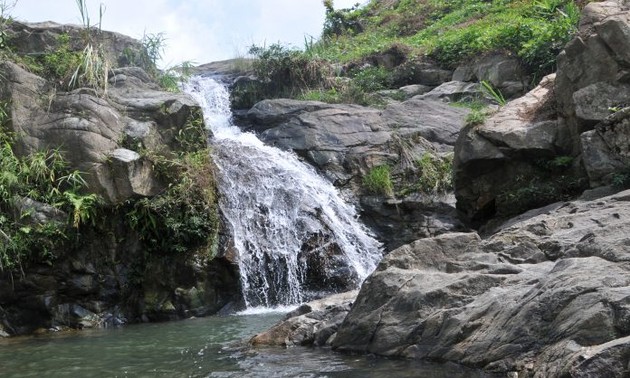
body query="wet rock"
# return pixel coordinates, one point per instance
(313, 323)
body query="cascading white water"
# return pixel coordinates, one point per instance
(288, 223)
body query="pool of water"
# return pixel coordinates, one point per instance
(205, 347)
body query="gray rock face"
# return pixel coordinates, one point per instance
(41, 37)
(498, 162)
(606, 149)
(88, 129)
(505, 73)
(345, 142)
(592, 69)
(107, 276)
(545, 296)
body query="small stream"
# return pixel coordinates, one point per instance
(204, 347)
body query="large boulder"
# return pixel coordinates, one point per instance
(134, 260)
(606, 150)
(545, 296)
(38, 38)
(514, 160)
(346, 142)
(312, 324)
(504, 72)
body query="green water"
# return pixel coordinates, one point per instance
(206, 347)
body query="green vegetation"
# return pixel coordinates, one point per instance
(184, 218)
(493, 93)
(409, 33)
(43, 177)
(436, 174)
(378, 181)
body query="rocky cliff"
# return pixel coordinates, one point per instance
(149, 250)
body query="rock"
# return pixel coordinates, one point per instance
(547, 295)
(505, 73)
(313, 324)
(41, 37)
(401, 221)
(592, 69)
(605, 149)
(32, 212)
(515, 139)
(90, 128)
(108, 270)
(453, 91)
(345, 142)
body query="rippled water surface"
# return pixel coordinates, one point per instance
(206, 347)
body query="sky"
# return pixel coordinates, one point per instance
(200, 31)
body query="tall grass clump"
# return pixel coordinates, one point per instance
(93, 66)
(379, 181)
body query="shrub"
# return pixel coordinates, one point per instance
(286, 72)
(338, 22)
(184, 218)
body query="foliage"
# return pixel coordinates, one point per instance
(184, 217)
(452, 32)
(476, 117)
(338, 22)
(436, 173)
(552, 181)
(43, 177)
(61, 64)
(538, 192)
(493, 93)
(5, 18)
(285, 72)
(171, 77)
(93, 67)
(378, 181)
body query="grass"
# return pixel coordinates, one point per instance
(378, 181)
(448, 33)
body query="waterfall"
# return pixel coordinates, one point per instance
(294, 236)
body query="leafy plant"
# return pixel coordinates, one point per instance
(41, 179)
(493, 93)
(286, 72)
(5, 18)
(476, 117)
(378, 181)
(185, 217)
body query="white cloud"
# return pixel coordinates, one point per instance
(197, 30)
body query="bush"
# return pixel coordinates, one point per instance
(286, 72)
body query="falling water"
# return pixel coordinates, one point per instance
(294, 236)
